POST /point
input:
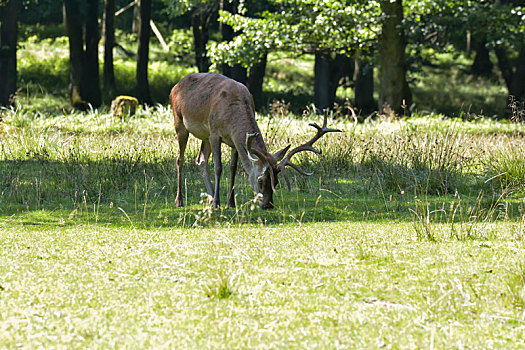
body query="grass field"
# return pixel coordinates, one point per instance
(410, 233)
(327, 285)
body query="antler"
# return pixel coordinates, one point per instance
(249, 140)
(308, 146)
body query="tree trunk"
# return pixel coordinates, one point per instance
(227, 31)
(256, 79)
(328, 70)
(342, 73)
(239, 73)
(236, 72)
(504, 66)
(8, 42)
(143, 93)
(394, 91)
(108, 35)
(73, 26)
(364, 87)
(514, 78)
(91, 77)
(517, 85)
(84, 87)
(135, 21)
(347, 67)
(322, 81)
(482, 66)
(200, 22)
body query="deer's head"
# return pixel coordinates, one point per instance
(266, 167)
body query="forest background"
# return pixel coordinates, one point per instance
(372, 54)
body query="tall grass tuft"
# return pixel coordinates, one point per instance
(222, 286)
(506, 166)
(425, 160)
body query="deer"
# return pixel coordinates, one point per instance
(216, 110)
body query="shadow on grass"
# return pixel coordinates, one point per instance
(132, 193)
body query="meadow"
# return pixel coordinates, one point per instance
(410, 233)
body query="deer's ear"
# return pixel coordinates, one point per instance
(280, 155)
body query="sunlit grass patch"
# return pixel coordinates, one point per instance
(300, 285)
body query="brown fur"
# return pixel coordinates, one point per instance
(217, 109)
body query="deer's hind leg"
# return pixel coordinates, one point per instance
(202, 163)
(182, 137)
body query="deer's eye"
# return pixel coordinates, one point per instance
(260, 180)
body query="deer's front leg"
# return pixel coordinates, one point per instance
(233, 171)
(202, 163)
(215, 143)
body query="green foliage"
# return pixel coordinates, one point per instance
(301, 26)
(44, 63)
(181, 42)
(438, 23)
(43, 67)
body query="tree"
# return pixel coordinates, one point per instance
(201, 17)
(332, 30)
(394, 91)
(84, 87)
(8, 41)
(237, 72)
(108, 38)
(91, 65)
(256, 79)
(329, 68)
(497, 26)
(482, 66)
(141, 79)
(202, 13)
(364, 86)
(501, 27)
(514, 76)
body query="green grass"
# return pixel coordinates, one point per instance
(95, 253)
(358, 285)
(410, 233)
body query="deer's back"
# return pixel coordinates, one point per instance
(207, 103)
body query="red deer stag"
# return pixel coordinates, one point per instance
(217, 109)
